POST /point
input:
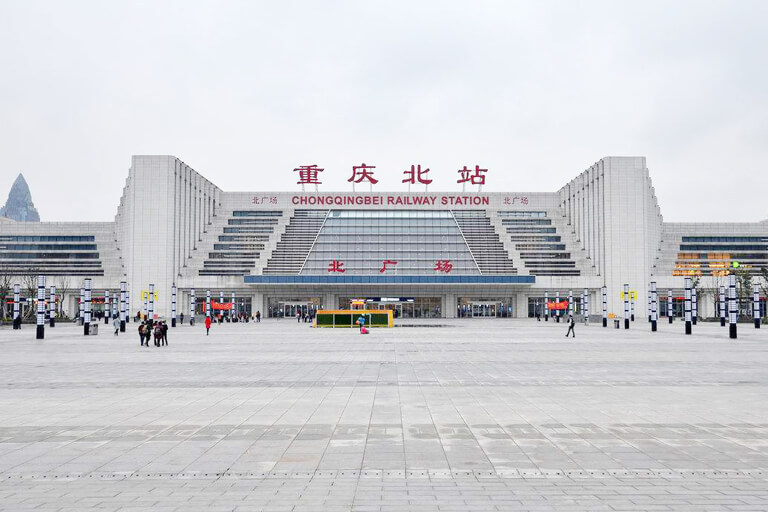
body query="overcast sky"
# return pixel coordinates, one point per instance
(244, 92)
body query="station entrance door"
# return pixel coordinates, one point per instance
(485, 309)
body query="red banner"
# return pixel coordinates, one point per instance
(223, 306)
(563, 305)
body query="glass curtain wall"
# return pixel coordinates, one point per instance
(400, 242)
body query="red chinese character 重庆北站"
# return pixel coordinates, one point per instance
(384, 265)
(416, 174)
(362, 172)
(308, 174)
(336, 266)
(474, 176)
(444, 266)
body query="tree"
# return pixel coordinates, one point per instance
(743, 286)
(700, 292)
(6, 285)
(29, 289)
(62, 288)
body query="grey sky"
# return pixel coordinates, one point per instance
(245, 91)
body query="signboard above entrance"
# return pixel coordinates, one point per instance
(391, 200)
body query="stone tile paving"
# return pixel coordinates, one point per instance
(475, 415)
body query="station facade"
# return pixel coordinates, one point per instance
(422, 254)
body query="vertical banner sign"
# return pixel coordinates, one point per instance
(605, 306)
(52, 307)
(82, 306)
(687, 305)
(113, 313)
(626, 306)
(557, 301)
(208, 303)
(151, 310)
(47, 313)
(694, 306)
(146, 305)
(192, 302)
(654, 305)
(233, 311)
(721, 304)
(670, 307)
(40, 307)
(632, 306)
(585, 306)
(88, 308)
(733, 306)
(221, 301)
(16, 300)
(122, 306)
(127, 305)
(570, 303)
(756, 306)
(106, 307)
(546, 306)
(173, 305)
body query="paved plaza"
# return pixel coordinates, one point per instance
(439, 415)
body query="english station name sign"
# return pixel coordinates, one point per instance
(390, 200)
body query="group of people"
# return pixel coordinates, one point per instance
(306, 316)
(149, 329)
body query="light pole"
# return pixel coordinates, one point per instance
(733, 306)
(605, 306)
(654, 312)
(626, 306)
(40, 307)
(87, 311)
(687, 305)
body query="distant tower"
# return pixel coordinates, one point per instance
(19, 206)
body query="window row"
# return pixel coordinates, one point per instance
(48, 247)
(239, 222)
(694, 247)
(725, 239)
(46, 238)
(545, 255)
(527, 222)
(49, 255)
(238, 247)
(243, 238)
(257, 213)
(522, 214)
(249, 230)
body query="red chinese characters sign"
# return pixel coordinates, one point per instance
(561, 306)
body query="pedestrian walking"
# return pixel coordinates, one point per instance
(571, 325)
(207, 325)
(164, 332)
(142, 331)
(258, 316)
(361, 323)
(158, 333)
(298, 316)
(116, 324)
